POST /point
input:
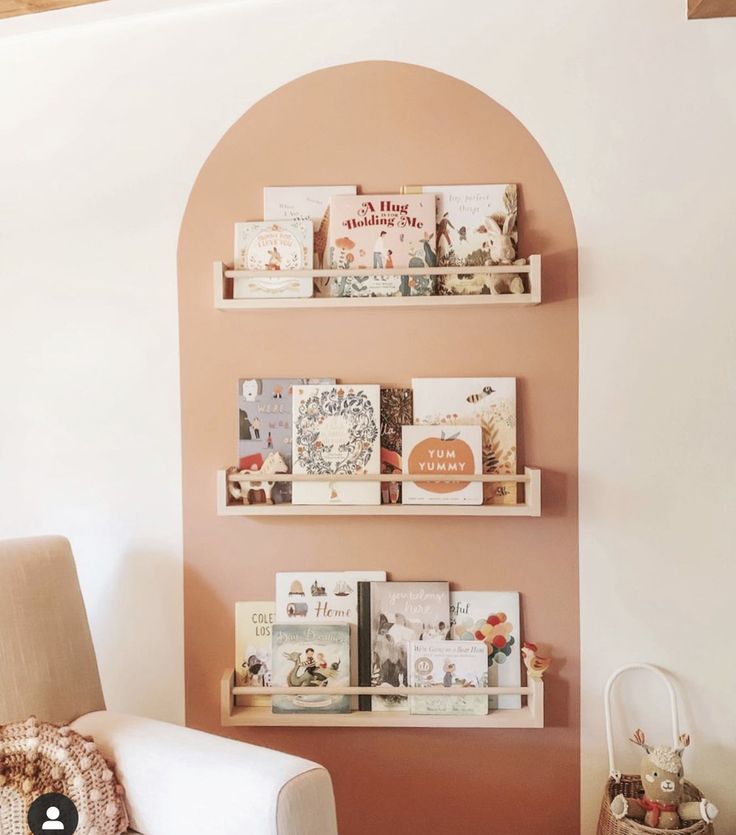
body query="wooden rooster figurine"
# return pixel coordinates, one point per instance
(536, 665)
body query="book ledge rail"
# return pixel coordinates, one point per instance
(224, 300)
(227, 505)
(530, 715)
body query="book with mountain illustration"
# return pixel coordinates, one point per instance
(253, 623)
(491, 618)
(336, 432)
(264, 428)
(314, 657)
(385, 231)
(459, 664)
(271, 248)
(476, 226)
(392, 614)
(488, 402)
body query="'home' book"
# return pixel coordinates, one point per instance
(385, 231)
(264, 426)
(470, 223)
(336, 432)
(314, 657)
(273, 247)
(442, 450)
(491, 618)
(253, 623)
(460, 664)
(391, 615)
(488, 402)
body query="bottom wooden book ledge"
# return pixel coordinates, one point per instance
(530, 715)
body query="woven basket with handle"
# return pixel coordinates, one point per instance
(630, 784)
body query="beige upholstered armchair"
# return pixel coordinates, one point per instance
(176, 780)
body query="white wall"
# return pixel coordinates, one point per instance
(104, 127)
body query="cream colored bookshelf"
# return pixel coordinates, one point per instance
(223, 276)
(530, 715)
(531, 506)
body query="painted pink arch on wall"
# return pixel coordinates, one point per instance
(381, 125)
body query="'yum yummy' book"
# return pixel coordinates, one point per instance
(314, 657)
(488, 402)
(305, 203)
(460, 664)
(470, 224)
(264, 426)
(336, 432)
(385, 231)
(390, 616)
(253, 622)
(442, 450)
(492, 619)
(273, 247)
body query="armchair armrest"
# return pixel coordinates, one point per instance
(184, 781)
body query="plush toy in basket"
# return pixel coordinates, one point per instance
(663, 781)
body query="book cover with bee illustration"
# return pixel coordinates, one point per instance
(470, 223)
(386, 231)
(443, 450)
(314, 657)
(336, 432)
(488, 402)
(273, 247)
(492, 619)
(458, 664)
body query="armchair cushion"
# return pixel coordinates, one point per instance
(184, 781)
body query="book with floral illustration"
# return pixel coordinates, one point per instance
(264, 428)
(273, 247)
(472, 222)
(305, 203)
(390, 615)
(253, 623)
(386, 231)
(459, 664)
(316, 658)
(491, 618)
(336, 432)
(397, 411)
(442, 450)
(488, 402)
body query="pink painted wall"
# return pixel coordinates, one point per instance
(381, 125)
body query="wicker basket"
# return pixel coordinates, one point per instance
(629, 785)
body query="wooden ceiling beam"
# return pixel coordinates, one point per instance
(698, 9)
(13, 8)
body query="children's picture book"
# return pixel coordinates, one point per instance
(323, 597)
(460, 664)
(305, 203)
(314, 657)
(273, 247)
(396, 411)
(336, 432)
(264, 428)
(491, 618)
(443, 450)
(476, 224)
(253, 624)
(385, 231)
(392, 614)
(488, 402)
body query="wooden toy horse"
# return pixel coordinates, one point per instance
(243, 486)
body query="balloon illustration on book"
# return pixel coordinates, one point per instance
(495, 631)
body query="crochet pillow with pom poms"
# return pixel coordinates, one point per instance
(37, 758)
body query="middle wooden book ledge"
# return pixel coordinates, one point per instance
(228, 506)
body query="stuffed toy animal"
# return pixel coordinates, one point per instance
(662, 777)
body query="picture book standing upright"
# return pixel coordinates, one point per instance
(488, 402)
(253, 667)
(391, 615)
(273, 248)
(458, 664)
(382, 231)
